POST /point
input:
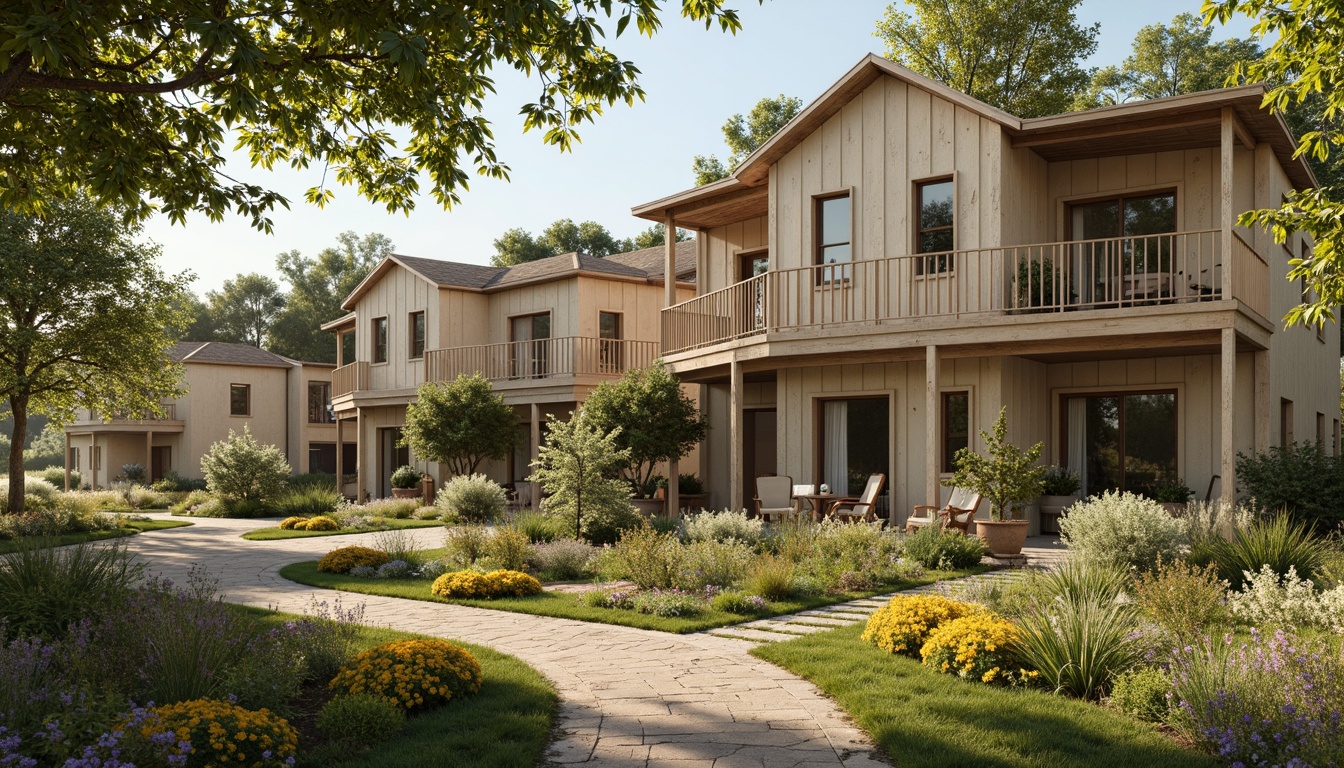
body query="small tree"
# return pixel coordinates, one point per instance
(577, 467)
(653, 421)
(1009, 476)
(460, 423)
(241, 469)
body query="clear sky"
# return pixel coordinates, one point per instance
(695, 79)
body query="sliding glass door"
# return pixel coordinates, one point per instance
(854, 442)
(1121, 441)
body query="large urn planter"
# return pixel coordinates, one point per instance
(406, 493)
(1003, 537)
(1052, 508)
(649, 507)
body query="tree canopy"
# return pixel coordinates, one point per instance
(517, 246)
(1022, 56)
(576, 467)
(245, 309)
(460, 423)
(86, 319)
(133, 102)
(744, 134)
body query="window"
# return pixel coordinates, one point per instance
(74, 458)
(609, 341)
(319, 403)
(1123, 441)
(416, 332)
(380, 340)
(1320, 430)
(833, 222)
(96, 458)
(1121, 256)
(754, 263)
(956, 419)
(936, 216)
(240, 399)
(322, 458)
(1285, 421)
(530, 352)
(854, 442)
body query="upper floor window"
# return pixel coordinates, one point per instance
(380, 340)
(609, 333)
(319, 402)
(417, 334)
(240, 399)
(833, 228)
(936, 225)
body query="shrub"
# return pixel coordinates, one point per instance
(319, 523)
(55, 477)
(406, 477)
(411, 674)
(397, 509)
(648, 558)
(305, 501)
(666, 603)
(564, 559)
(44, 589)
(360, 720)
(34, 488)
(172, 482)
(239, 508)
(326, 636)
(312, 480)
(513, 584)
(508, 549)
(427, 513)
(1142, 693)
(263, 675)
(977, 646)
(133, 473)
(343, 559)
(1270, 601)
(1277, 542)
(293, 523)
(472, 499)
(722, 526)
(193, 501)
(1124, 530)
(224, 733)
(1299, 479)
(473, 585)
(1207, 523)
(712, 563)
(771, 577)
(738, 603)
(241, 469)
(399, 544)
(1184, 600)
(465, 545)
(939, 549)
(847, 556)
(903, 624)
(395, 569)
(537, 525)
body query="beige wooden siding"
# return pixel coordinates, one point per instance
(557, 297)
(463, 318)
(718, 267)
(205, 410)
(399, 293)
(638, 304)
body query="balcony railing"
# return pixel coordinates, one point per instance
(169, 414)
(349, 379)
(541, 359)
(1050, 277)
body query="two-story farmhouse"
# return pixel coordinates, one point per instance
(545, 333)
(282, 402)
(901, 260)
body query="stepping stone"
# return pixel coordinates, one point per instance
(736, 633)
(767, 625)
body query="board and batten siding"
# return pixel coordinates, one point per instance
(557, 297)
(717, 263)
(399, 293)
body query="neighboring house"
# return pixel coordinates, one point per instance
(901, 260)
(283, 402)
(544, 333)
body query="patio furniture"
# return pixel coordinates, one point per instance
(860, 506)
(957, 513)
(811, 502)
(774, 497)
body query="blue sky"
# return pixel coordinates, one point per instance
(695, 79)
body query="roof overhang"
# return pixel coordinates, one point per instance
(388, 264)
(343, 323)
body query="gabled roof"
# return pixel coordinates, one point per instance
(225, 353)
(650, 260)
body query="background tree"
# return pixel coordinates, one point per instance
(654, 236)
(744, 134)
(246, 308)
(86, 319)
(131, 102)
(1022, 56)
(517, 246)
(317, 288)
(577, 468)
(657, 422)
(48, 447)
(460, 423)
(200, 323)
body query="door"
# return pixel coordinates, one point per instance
(749, 265)
(160, 461)
(1123, 255)
(1121, 441)
(609, 340)
(390, 456)
(530, 335)
(759, 439)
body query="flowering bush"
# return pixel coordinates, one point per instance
(1124, 530)
(320, 523)
(239, 468)
(1286, 602)
(343, 559)
(411, 674)
(223, 733)
(710, 562)
(723, 526)
(360, 720)
(978, 646)
(736, 602)
(667, 603)
(292, 523)
(903, 625)
(395, 569)
(473, 585)
(513, 584)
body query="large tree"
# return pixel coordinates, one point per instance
(245, 309)
(317, 288)
(517, 246)
(744, 134)
(132, 101)
(86, 319)
(1022, 56)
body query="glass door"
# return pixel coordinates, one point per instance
(1125, 255)
(530, 335)
(749, 265)
(1121, 442)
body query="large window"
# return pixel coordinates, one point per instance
(833, 226)
(1124, 257)
(1124, 441)
(531, 348)
(936, 214)
(609, 335)
(380, 340)
(854, 442)
(416, 332)
(956, 427)
(240, 399)
(319, 403)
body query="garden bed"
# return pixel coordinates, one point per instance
(275, 533)
(126, 528)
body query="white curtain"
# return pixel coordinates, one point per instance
(836, 467)
(1078, 440)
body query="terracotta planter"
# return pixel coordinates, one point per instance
(648, 507)
(1003, 538)
(1052, 508)
(406, 493)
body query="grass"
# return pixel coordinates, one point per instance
(568, 606)
(127, 528)
(925, 719)
(272, 534)
(506, 725)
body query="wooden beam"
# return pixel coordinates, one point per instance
(735, 490)
(361, 455)
(1261, 412)
(1241, 132)
(1084, 134)
(149, 455)
(536, 454)
(340, 451)
(1229, 393)
(1226, 169)
(931, 492)
(669, 260)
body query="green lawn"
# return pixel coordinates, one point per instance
(271, 534)
(128, 528)
(507, 725)
(925, 719)
(567, 606)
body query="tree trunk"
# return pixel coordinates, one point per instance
(18, 406)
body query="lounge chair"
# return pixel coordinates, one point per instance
(864, 506)
(957, 513)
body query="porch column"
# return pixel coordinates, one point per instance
(673, 491)
(669, 262)
(735, 490)
(340, 449)
(1261, 413)
(536, 453)
(94, 460)
(149, 456)
(931, 488)
(67, 462)
(1227, 217)
(340, 348)
(361, 457)
(1229, 381)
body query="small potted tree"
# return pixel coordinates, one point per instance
(406, 482)
(1173, 494)
(1007, 479)
(1059, 491)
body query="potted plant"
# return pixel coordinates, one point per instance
(1173, 495)
(1059, 491)
(648, 495)
(406, 482)
(1008, 478)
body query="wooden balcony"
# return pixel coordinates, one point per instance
(541, 361)
(169, 414)
(1061, 277)
(349, 379)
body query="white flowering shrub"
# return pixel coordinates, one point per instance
(1286, 602)
(239, 468)
(1123, 530)
(722, 526)
(1331, 613)
(472, 499)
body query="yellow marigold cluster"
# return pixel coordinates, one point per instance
(902, 625)
(291, 523)
(979, 646)
(343, 559)
(319, 523)
(221, 733)
(472, 585)
(411, 674)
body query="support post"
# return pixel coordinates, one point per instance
(340, 456)
(1229, 391)
(1227, 217)
(67, 462)
(673, 491)
(931, 488)
(536, 453)
(669, 261)
(1261, 413)
(735, 479)
(340, 348)
(361, 459)
(149, 456)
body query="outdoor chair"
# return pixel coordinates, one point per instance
(957, 513)
(864, 506)
(774, 496)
